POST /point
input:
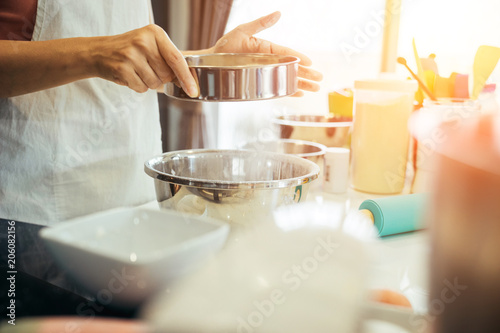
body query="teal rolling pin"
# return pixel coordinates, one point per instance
(396, 214)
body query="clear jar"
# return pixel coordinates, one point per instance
(380, 136)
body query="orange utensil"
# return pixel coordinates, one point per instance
(422, 85)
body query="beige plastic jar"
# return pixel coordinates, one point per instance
(380, 136)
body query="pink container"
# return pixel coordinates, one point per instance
(464, 221)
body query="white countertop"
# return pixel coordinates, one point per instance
(399, 262)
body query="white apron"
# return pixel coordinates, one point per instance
(78, 148)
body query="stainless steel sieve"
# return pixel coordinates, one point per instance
(240, 77)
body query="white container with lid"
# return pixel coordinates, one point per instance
(336, 174)
(380, 136)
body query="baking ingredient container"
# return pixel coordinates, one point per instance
(380, 136)
(425, 127)
(464, 227)
(336, 176)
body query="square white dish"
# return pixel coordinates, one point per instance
(124, 256)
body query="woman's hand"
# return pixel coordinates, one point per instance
(142, 59)
(241, 40)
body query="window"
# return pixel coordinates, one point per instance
(344, 40)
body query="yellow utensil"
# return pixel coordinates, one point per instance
(421, 83)
(485, 62)
(420, 73)
(430, 77)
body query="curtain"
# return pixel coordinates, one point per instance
(191, 25)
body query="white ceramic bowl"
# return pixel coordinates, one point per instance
(124, 256)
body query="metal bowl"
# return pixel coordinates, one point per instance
(327, 130)
(312, 151)
(239, 186)
(240, 77)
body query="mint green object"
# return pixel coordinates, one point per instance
(397, 214)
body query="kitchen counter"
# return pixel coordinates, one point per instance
(399, 263)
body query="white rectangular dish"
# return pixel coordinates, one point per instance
(125, 255)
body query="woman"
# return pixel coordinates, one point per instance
(78, 109)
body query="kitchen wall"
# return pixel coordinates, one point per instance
(344, 39)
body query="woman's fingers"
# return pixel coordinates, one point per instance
(146, 58)
(160, 67)
(304, 73)
(175, 60)
(257, 45)
(305, 85)
(278, 49)
(148, 76)
(308, 85)
(299, 93)
(141, 59)
(135, 82)
(241, 40)
(131, 79)
(309, 74)
(251, 28)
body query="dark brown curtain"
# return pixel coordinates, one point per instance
(209, 21)
(191, 25)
